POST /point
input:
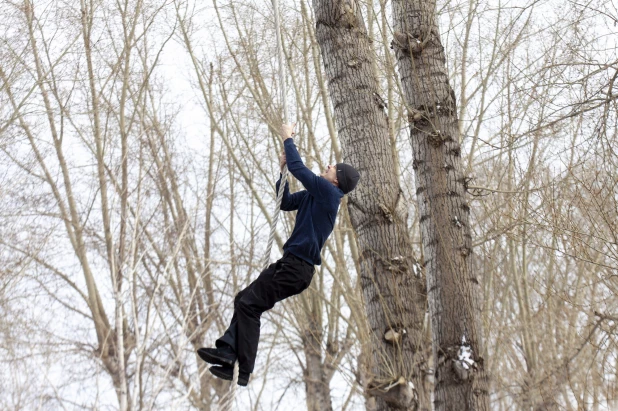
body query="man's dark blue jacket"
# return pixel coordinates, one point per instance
(317, 207)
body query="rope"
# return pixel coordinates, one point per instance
(284, 173)
(281, 60)
(228, 399)
(273, 226)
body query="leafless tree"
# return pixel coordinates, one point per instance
(137, 169)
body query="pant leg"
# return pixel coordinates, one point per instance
(287, 277)
(229, 337)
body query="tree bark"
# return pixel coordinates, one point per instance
(392, 285)
(453, 289)
(316, 379)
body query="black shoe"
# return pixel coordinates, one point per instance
(226, 373)
(218, 356)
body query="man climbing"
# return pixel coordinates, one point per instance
(317, 207)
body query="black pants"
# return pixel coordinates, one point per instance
(287, 277)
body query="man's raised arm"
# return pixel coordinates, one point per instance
(296, 166)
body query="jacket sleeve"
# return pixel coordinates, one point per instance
(315, 185)
(289, 202)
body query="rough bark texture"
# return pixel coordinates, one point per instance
(316, 377)
(453, 289)
(392, 286)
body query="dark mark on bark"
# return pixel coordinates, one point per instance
(465, 251)
(436, 139)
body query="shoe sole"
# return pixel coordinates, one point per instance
(212, 359)
(219, 373)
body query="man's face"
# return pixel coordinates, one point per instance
(331, 174)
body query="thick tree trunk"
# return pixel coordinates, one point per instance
(453, 289)
(392, 284)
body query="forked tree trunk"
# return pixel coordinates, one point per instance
(392, 284)
(453, 289)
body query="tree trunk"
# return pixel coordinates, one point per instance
(392, 284)
(316, 379)
(453, 289)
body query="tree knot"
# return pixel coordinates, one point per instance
(395, 334)
(407, 43)
(436, 138)
(398, 393)
(386, 212)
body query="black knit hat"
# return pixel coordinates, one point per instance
(347, 176)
